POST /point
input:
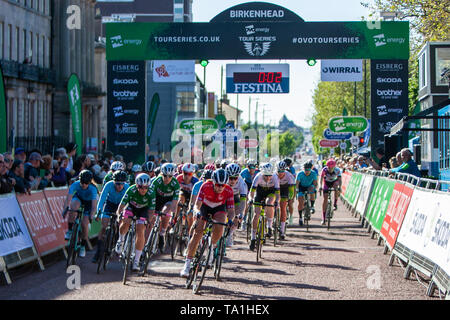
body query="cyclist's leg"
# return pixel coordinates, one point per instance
(168, 209)
(291, 207)
(325, 201)
(283, 214)
(301, 202)
(74, 205)
(140, 240)
(199, 226)
(256, 212)
(312, 196)
(217, 230)
(270, 211)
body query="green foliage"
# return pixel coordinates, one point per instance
(288, 141)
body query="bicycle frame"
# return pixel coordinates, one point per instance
(74, 243)
(150, 247)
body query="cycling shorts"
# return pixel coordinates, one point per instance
(87, 205)
(302, 190)
(332, 184)
(141, 213)
(186, 194)
(205, 211)
(284, 191)
(237, 199)
(263, 193)
(161, 202)
(108, 209)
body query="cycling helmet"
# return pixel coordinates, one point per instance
(220, 176)
(142, 179)
(120, 176)
(117, 165)
(195, 167)
(281, 165)
(207, 174)
(157, 171)
(168, 169)
(288, 161)
(149, 166)
(217, 163)
(210, 166)
(331, 163)
(233, 169)
(267, 169)
(188, 167)
(136, 168)
(307, 165)
(224, 163)
(179, 169)
(86, 176)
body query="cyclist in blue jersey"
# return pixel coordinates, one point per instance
(249, 173)
(110, 198)
(306, 182)
(82, 192)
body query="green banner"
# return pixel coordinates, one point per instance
(202, 126)
(74, 95)
(379, 202)
(347, 124)
(352, 194)
(94, 228)
(258, 40)
(3, 123)
(154, 106)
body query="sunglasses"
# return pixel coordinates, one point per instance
(308, 169)
(166, 176)
(188, 173)
(218, 185)
(119, 183)
(142, 187)
(233, 178)
(2, 161)
(281, 171)
(267, 175)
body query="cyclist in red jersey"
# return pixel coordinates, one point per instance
(215, 198)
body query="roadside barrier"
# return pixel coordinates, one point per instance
(31, 226)
(410, 215)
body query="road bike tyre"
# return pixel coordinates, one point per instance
(196, 264)
(184, 234)
(219, 258)
(198, 281)
(307, 213)
(260, 238)
(174, 238)
(109, 246)
(249, 223)
(71, 254)
(275, 226)
(148, 252)
(127, 263)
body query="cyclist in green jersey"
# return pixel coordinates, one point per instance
(139, 200)
(166, 189)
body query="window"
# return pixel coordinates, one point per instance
(186, 99)
(422, 71)
(2, 43)
(442, 62)
(17, 44)
(38, 51)
(30, 53)
(9, 43)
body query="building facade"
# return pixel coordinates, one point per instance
(25, 59)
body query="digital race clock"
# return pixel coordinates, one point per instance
(257, 78)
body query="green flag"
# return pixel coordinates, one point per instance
(3, 133)
(154, 105)
(74, 95)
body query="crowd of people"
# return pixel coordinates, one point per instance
(23, 171)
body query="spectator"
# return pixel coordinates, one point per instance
(6, 183)
(8, 161)
(119, 158)
(81, 163)
(109, 157)
(399, 158)
(20, 154)
(47, 166)
(379, 159)
(409, 165)
(59, 153)
(71, 149)
(60, 176)
(393, 162)
(362, 162)
(17, 173)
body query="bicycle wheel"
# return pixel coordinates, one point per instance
(147, 253)
(174, 238)
(109, 246)
(198, 279)
(127, 262)
(259, 238)
(183, 238)
(196, 266)
(219, 258)
(328, 216)
(307, 214)
(72, 246)
(275, 226)
(249, 223)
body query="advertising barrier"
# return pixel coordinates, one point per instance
(379, 201)
(395, 213)
(345, 180)
(363, 200)
(46, 232)
(426, 227)
(55, 198)
(353, 193)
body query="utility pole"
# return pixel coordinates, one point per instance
(249, 105)
(256, 116)
(354, 113)
(365, 88)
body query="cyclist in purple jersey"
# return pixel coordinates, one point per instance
(331, 176)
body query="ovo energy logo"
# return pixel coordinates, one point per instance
(116, 41)
(380, 40)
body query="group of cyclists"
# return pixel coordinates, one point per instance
(223, 191)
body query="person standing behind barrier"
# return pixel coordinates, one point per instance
(409, 165)
(17, 173)
(6, 184)
(379, 159)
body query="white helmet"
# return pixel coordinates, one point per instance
(117, 165)
(136, 168)
(220, 176)
(267, 169)
(168, 169)
(142, 179)
(233, 169)
(188, 167)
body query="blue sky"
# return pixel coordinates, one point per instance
(296, 105)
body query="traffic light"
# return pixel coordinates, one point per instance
(361, 141)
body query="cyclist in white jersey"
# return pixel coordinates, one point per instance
(287, 187)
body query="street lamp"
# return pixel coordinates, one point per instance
(387, 15)
(204, 63)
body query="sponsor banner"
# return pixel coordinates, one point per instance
(257, 40)
(345, 181)
(47, 233)
(347, 124)
(354, 188)
(426, 227)
(14, 234)
(55, 199)
(325, 143)
(126, 109)
(174, 71)
(74, 95)
(366, 187)
(328, 134)
(341, 70)
(389, 97)
(398, 204)
(379, 201)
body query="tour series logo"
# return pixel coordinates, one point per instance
(254, 44)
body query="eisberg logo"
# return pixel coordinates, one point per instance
(125, 68)
(389, 66)
(125, 81)
(389, 80)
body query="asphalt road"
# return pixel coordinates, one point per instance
(343, 263)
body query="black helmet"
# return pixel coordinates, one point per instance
(220, 176)
(207, 174)
(86, 176)
(288, 161)
(307, 165)
(120, 176)
(149, 166)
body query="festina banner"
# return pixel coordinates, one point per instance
(174, 71)
(398, 204)
(426, 227)
(126, 109)
(389, 97)
(341, 70)
(14, 234)
(74, 94)
(3, 132)
(257, 40)
(46, 232)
